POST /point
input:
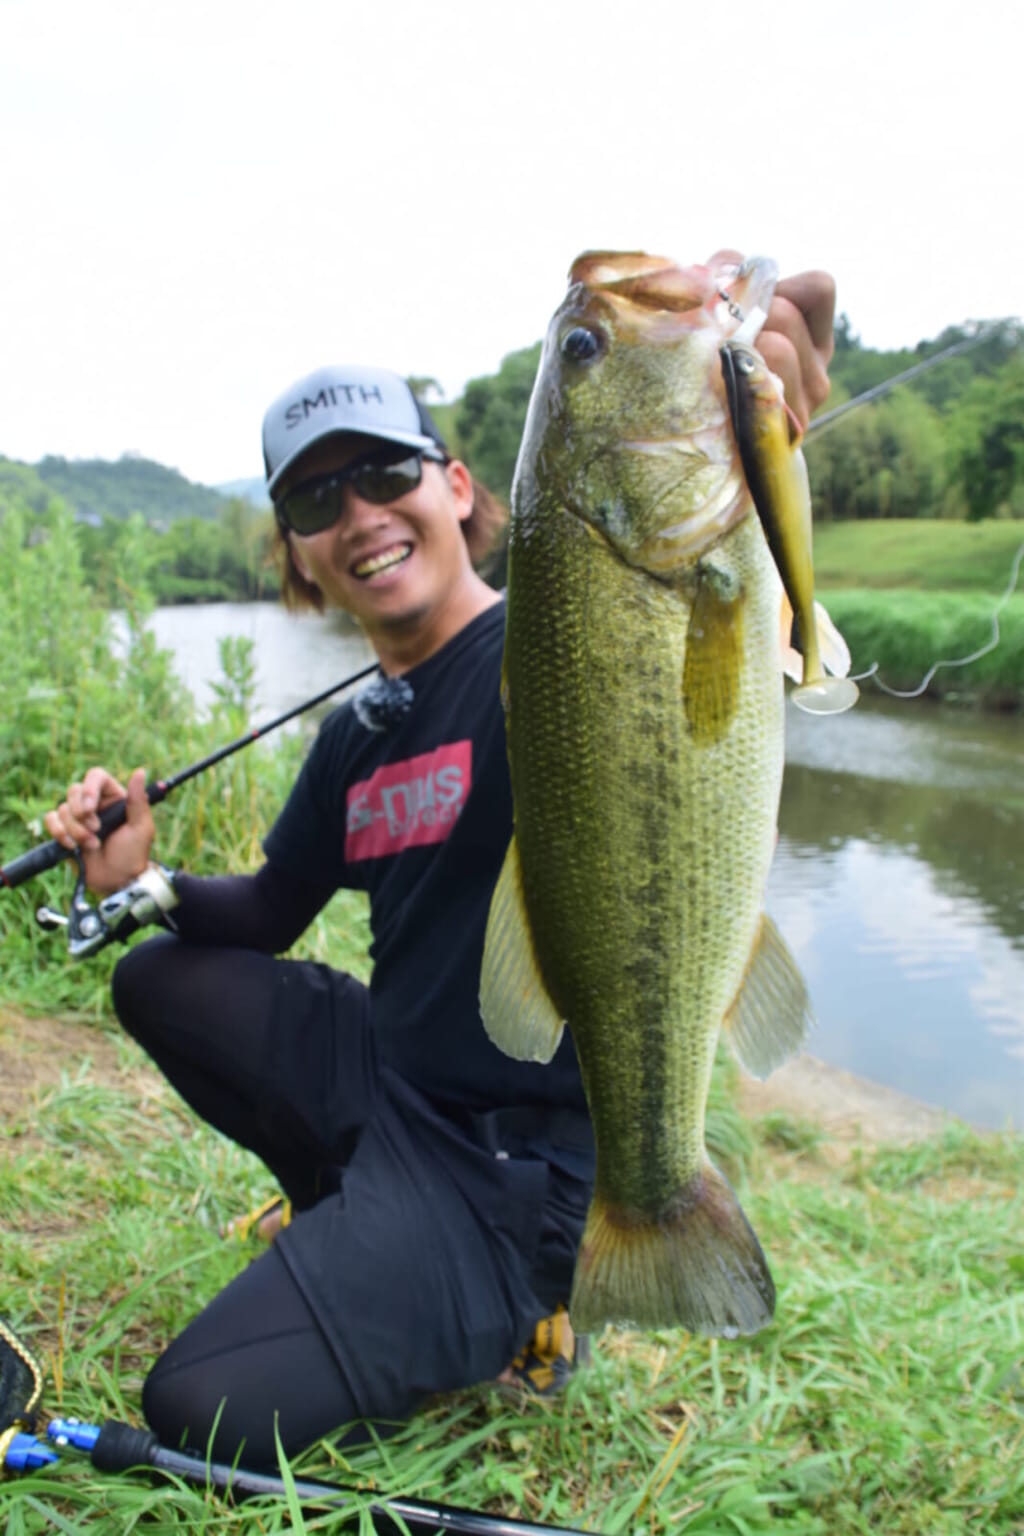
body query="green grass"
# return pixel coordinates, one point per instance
(888, 1395)
(924, 555)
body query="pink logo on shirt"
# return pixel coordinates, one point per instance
(406, 805)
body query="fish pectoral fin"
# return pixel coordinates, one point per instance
(714, 655)
(516, 1008)
(771, 1013)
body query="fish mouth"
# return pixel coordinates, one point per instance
(383, 560)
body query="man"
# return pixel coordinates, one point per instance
(439, 1188)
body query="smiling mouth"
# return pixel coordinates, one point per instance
(374, 564)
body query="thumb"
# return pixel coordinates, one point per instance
(136, 803)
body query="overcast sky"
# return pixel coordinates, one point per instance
(203, 201)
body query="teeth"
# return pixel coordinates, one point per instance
(383, 561)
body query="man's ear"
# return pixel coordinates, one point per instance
(461, 483)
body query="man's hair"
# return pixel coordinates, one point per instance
(483, 530)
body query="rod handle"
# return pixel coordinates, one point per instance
(48, 855)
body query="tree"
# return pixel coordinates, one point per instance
(491, 415)
(988, 441)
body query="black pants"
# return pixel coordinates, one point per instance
(419, 1260)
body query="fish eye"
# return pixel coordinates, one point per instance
(581, 344)
(745, 363)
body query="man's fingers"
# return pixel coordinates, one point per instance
(788, 347)
(100, 788)
(137, 810)
(813, 295)
(59, 823)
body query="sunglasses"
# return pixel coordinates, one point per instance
(378, 477)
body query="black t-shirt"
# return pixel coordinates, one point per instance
(419, 815)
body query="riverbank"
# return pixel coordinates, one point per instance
(847, 1110)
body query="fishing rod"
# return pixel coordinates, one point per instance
(822, 423)
(47, 855)
(117, 1447)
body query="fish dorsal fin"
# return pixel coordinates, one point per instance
(771, 1013)
(517, 1011)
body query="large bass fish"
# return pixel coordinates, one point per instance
(644, 708)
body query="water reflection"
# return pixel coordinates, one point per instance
(898, 884)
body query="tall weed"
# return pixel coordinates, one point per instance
(71, 698)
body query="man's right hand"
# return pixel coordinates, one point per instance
(110, 864)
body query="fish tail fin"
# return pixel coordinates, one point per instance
(807, 665)
(698, 1265)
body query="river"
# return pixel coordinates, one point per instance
(898, 881)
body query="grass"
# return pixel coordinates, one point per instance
(888, 1395)
(923, 555)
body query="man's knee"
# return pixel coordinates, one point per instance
(140, 980)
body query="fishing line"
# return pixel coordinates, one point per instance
(959, 661)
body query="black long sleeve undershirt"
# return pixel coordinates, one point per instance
(266, 911)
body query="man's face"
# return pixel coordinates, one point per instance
(391, 566)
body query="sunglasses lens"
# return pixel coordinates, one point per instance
(312, 510)
(318, 505)
(380, 483)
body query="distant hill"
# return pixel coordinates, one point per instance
(94, 488)
(98, 488)
(252, 491)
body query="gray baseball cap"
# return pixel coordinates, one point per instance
(333, 401)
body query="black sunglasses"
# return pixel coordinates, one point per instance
(378, 477)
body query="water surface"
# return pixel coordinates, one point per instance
(898, 884)
(897, 881)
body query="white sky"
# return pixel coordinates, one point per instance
(203, 201)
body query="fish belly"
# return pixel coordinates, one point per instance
(645, 742)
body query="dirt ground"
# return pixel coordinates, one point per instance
(35, 1053)
(850, 1110)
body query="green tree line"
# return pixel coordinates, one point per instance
(194, 560)
(950, 444)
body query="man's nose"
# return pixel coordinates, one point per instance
(357, 512)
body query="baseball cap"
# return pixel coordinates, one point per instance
(369, 401)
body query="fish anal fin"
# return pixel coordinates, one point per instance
(696, 1265)
(771, 1013)
(714, 655)
(516, 1008)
